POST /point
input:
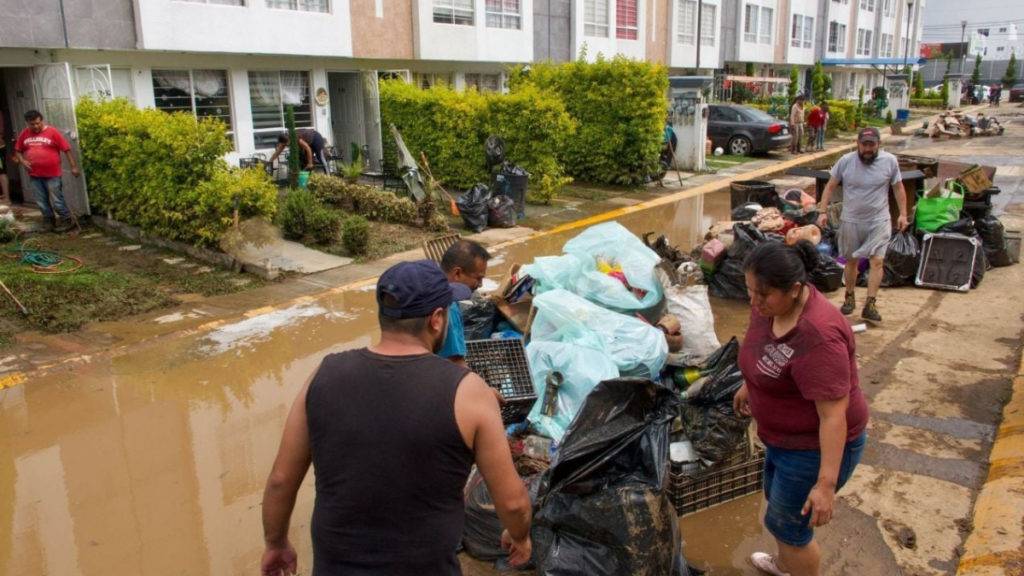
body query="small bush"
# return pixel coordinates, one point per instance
(356, 235)
(324, 225)
(7, 232)
(888, 117)
(366, 201)
(296, 213)
(927, 103)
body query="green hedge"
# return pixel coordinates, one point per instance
(927, 103)
(165, 173)
(619, 106)
(450, 128)
(368, 201)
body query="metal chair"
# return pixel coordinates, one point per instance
(435, 248)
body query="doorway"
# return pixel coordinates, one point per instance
(355, 114)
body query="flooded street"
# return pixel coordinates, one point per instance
(152, 461)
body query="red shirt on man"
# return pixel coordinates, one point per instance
(816, 118)
(42, 150)
(816, 360)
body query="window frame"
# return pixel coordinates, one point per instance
(438, 7)
(504, 15)
(769, 22)
(686, 21)
(192, 96)
(228, 3)
(801, 34)
(626, 31)
(751, 23)
(296, 6)
(281, 104)
(708, 32)
(840, 37)
(478, 81)
(593, 28)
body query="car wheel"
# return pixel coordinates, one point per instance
(740, 146)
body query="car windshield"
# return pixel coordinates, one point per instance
(759, 116)
(1018, 87)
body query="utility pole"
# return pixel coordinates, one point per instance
(963, 49)
(700, 6)
(906, 47)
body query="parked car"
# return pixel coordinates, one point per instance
(742, 131)
(1016, 93)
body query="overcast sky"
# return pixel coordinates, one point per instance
(942, 17)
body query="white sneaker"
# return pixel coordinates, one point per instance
(766, 563)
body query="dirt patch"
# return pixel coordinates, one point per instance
(385, 240)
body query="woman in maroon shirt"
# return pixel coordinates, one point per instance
(801, 387)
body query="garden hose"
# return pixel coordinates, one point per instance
(44, 261)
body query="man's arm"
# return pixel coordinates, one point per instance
(826, 197)
(900, 192)
(71, 161)
(277, 152)
(290, 467)
(479, 420)
(308, 151)
(19, 159)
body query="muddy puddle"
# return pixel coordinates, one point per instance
(153, 462)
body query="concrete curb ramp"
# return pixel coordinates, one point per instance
(995, 546)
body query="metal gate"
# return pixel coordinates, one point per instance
(56, 94)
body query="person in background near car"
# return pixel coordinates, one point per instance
(866, 175)
(668, 137)
(465, 265)
(38, 149)
(796, 124)
(799, 367)
(995, 94)
(392, 432)
(825, 117)
(311, 144)
(816, 122)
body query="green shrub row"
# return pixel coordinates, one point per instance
(368, 201)
(303, 217)
(450, 128)
(165, 173)
(619, 107)
(927, 103)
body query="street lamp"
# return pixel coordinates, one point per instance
(906, 46)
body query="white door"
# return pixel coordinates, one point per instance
(346, 95)
(57, 99)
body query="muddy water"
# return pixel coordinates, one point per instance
(153, 462)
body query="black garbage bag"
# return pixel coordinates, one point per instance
(965, 227)
(902, 257)
(828, 276)
(479, 317)
(709, 420)
(993, 238)
(603, 508)
(729, 281)
(501, 212)
(745, 237)
(473, 207)
(481, 534)
(746, 211)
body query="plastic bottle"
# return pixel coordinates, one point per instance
(552, 383)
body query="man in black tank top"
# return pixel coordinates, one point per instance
(392, 432)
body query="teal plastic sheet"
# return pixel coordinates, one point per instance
(582, 369)
(637, 348)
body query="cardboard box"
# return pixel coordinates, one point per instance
(520, 313)
(974, 180)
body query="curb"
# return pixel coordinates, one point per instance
(995, 546)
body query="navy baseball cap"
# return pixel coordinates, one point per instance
(417, 289)
(869, 134)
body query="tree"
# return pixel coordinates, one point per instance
(1010, 78)
(794, 83)
(828, 86)
(293, 147)
(919, 85)
(818, 83)
(944, 92)
(858, 115)
(749, 69)
(976, 74)
(948, 55)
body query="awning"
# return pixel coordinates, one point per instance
(871, 61)
(748, 79)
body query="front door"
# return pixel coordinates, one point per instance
(347, 120)
(57, 103)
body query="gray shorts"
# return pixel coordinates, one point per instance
(864, 240)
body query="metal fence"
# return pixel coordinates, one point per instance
(992, 71)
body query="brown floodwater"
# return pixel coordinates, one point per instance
(153, 461)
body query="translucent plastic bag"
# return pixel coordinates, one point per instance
(581, 368)
(611, 242)
(636, 347)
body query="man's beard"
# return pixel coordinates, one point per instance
(867, 158)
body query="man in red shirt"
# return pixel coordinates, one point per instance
(38, 149)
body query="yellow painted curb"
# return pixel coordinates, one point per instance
(996, 544)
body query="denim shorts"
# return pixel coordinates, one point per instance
(789, 476)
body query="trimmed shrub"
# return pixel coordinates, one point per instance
(324, 225)
(356, 235)
(367, 201)
(927, 103)
(841, 114)
(165, 173)
(619, 106)
(296, 213)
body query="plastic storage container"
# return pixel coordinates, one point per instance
(503, 365)
(745, 191)
(947, 261)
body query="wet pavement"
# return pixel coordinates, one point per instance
(151, 458)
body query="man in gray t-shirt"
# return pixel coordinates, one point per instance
(864, 230)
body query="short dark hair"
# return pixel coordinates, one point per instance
(283, 139)
(412, 326)
(777, 265)
(463, 254)
(32, 115)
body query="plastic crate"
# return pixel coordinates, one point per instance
(739, 475)
(502, 364)
(947, 261)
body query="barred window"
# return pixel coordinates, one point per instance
(202, 93)
(270, 93)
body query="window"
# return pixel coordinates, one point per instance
(836, 37)
(1000, 49)
(223, 2)
(863, 42)
(484, 82)
(453, 12)
(1002, 29)
(426, 80)
(626, 19)
(301, 5)
(202, 93)
(886, 46)
(750, 23)
(802, 33)
(270, 93)
(504, 14)
(766, 25)
(868, 5)
(687, 22)
(708, 14)
(595, 18)
(887, 9)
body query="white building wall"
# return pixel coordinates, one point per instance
(801, 56)
(840, 13)
(609, 46)
(685, 55)
(757, 51)
(476, 43)
(250, 29)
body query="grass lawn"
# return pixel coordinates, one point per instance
(111, 283)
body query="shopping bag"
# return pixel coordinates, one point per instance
(933, 212)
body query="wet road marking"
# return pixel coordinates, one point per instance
(12, 380)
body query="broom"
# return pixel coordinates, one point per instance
(434, 183)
